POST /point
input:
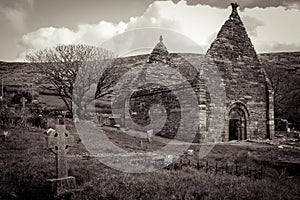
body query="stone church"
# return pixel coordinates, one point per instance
(249, 96)
(250, 102)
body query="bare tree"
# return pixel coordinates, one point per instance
(63, 64)
(286, 86)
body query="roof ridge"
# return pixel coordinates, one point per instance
(160, 52)
(232, 42)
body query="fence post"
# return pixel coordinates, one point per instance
(181, 164)
(216, 168)
(226, 169)
(198, 165)
(236, 170)
(206, 167)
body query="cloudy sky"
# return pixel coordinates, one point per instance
(28, 25)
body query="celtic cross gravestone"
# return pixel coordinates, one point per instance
(59, 143)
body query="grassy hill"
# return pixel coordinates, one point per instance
(283, 66)
(27, 164)
(284, 71)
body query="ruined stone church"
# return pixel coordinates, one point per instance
(249, 97)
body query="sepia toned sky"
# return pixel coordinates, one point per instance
(28, 25)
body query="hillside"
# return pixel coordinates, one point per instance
(284, 71)
(281, 67)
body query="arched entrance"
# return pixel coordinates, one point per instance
(237, 122)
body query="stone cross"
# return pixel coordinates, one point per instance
(161, 38)
(23, 100)
(64, 113)
(234, 6)
(234, 14)
(60, 121)
(59, 142)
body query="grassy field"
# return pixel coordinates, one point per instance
(26, 164)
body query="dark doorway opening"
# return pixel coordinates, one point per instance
(237, 124)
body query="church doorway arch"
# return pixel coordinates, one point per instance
(237, 122)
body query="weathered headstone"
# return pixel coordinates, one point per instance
(141, 144)
(75, 118)
(149, 135)
(23, 101)
(159, 162)
(5, 135)
(64, 113)
(60, 120)
(190, 152)
(59, 142)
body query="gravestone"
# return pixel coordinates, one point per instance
(23, 101)
(159, 162)
(60, 120)
(59, 142)
(5, 135)
(149, 135)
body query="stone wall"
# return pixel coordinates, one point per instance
(160, 77)
(244, 79)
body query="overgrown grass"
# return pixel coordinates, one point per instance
(26, 164)
(186, 184)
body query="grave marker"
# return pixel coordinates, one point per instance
(23, 101)
(149, 135)
(59, 143)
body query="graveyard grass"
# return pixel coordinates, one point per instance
(26, 164)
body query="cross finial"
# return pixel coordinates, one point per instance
(234, 6)
(161, 38)
(234, 13)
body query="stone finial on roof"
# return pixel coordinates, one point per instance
(234, 13)
(234, 6)
(161, 38)
(159, 53)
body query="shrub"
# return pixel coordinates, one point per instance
(16, 99)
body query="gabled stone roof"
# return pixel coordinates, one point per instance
(159, 53)
(232, 42)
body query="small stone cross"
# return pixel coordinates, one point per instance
(59, 142)
(161, 38)
(23, 101)
(234, 6)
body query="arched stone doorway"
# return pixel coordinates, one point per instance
(237, 121)
(237, 125)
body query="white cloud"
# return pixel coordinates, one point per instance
(95, 34)
(199, 22)
(46, 37)
(252, 24)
